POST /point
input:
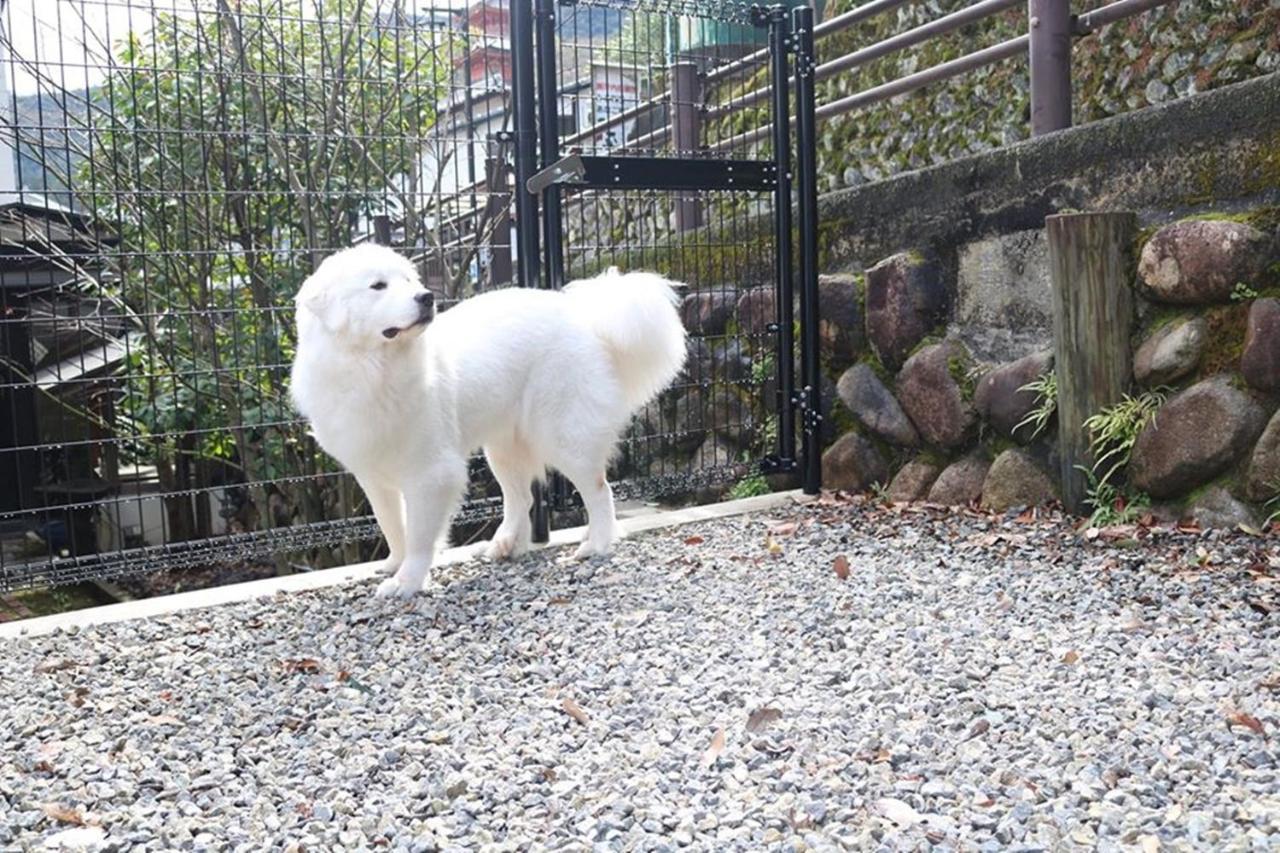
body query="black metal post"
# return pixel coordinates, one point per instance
(686, 135)
(779, 47)
(552, 221)
(549, 138)
(807, 198)
(1050, 25)
(524, 95)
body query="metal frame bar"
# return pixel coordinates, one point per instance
(654, 173)
(524, 95)
(779, 47)
(552, 492)
(807, 205)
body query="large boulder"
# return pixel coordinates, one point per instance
(1199, 261)
(699, 363)
(840, 327)
(689, 421)
(932, 391)
(1194, 437)
(1015, 480)
(1170, 352)
(913, 481)
(707, 312)
(1260, 362)
(1217, 508)
(875, 407)
(757, 309)
(853, 464)
(960, 483)
(731, 361)
(1262, 482)
(1000, 400)
(906, 299)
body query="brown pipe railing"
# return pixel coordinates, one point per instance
(902, 41)
(1056, 116)
(840, 22)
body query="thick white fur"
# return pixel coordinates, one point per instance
(537, 378)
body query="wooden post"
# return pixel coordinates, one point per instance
(1091, 263)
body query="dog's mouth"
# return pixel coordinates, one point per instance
(425, 316)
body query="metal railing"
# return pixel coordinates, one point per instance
(1047, 45)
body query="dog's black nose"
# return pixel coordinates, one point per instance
(426, 297)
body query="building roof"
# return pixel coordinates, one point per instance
(33, 235)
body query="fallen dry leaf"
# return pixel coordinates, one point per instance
(762, 718)
(1250, 722)
(55, 665)
(713, 752)
(841, 567)
(783, 528)
(76, 697)
(306, 666)
(694, 540)
(1071, 657)
(559, 599)
(573, 709)
(978, 728)
(897, 811)
(62, 814)
(771, 546)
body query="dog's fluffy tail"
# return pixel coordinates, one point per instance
(635, 315)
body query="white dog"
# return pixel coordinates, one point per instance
(537, 378)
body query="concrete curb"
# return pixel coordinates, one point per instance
(216, 596)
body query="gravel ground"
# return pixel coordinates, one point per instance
(970, 683)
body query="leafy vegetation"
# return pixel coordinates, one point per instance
(1112, 435)
(1046, 390)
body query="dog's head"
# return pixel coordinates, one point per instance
(367, 296)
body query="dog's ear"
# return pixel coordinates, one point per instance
(315, 299)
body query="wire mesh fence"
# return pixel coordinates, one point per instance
(173, 169)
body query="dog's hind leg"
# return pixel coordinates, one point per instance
(602, 524)
(515, 474)
(430, 498)
(388, 508)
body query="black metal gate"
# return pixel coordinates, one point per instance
(171, 171)
(565, 177)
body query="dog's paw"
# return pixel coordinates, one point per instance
(505, 546)
(589, 549)
(395, 587)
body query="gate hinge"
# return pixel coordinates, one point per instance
(774, 464)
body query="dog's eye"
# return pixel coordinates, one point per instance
(378, 285)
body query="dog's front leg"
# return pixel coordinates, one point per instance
(388, 508)
(430, 501)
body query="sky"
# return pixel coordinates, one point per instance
(68, 39)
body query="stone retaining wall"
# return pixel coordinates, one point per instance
(947, 270)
